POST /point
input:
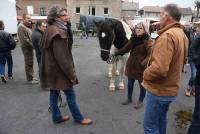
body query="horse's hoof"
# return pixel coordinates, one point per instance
(109, 75)
(117, 73)
(121, 86)
(111, 88)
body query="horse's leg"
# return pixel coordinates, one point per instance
(121, 65)
(111, 71)
(112, 78)
(110, 66)
(117, 68)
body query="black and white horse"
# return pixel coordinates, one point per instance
(113, 34)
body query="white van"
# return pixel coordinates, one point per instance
(9, 16)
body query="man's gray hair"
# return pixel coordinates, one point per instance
(54, 12)
(174, 11)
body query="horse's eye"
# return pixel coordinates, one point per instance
(103, 34)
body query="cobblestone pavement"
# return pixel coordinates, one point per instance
(24, 108)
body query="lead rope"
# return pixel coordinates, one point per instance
(60, 103)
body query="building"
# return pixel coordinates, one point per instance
(151, 11)
(129, 9)
(33, 8)
(154, 12)
(107, 8)
(186, 14)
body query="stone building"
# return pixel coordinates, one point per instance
(107, 8)
(37, 7)
(129, 9)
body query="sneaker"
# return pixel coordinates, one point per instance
(3, 79)
(188, 93)
(138, 105)
(126, 102)
(32, 82)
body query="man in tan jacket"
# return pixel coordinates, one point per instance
(162, 77)
(24, 33)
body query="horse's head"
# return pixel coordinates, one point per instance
(106, 37)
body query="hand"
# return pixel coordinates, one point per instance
(74, 81)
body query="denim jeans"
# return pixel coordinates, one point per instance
(130, 90)
(71, 100)
(6, 57)
(195, 125)
(155, 116)
(193, 74)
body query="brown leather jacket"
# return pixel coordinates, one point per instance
(57, 66)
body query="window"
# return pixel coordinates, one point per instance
(93, 11)
(30, 10)
(105, 10)
(43, 11)
(78, 10)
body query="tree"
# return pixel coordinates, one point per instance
(197, 5)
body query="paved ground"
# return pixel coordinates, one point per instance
(24, 108)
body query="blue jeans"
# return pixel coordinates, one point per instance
(130, 90)
(195, 125)
(193, 74)
(6, 57)
(155, 116)
(71, 100)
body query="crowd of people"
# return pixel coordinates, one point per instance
(156, 65)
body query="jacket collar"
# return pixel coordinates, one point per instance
(176, 24)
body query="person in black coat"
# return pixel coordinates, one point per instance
(7, 43)
(36, 35)
(195, 56)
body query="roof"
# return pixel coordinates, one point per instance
(156, 9)
(130, 5)
(186, 11)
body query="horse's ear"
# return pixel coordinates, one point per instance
(98, 23)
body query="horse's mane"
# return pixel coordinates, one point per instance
(120, 34)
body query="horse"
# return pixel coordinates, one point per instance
(113, 34)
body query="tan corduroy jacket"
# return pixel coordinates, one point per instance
(162, 76)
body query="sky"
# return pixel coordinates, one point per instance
(181, 3)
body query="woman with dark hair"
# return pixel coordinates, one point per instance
(57, 65)
(140, 47)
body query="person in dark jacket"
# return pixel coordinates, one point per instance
(36, 36)
(191, 84)
(83, 30)
(7, 43)
(57, 66)
(195, 56)
(140, 47)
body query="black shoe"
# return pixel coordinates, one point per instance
(126, 102)
(3, 79)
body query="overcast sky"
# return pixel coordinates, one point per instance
(181, 3)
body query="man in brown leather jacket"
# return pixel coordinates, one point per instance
(57, 65)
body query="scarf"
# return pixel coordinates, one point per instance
(138, 40)
(66, 28)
